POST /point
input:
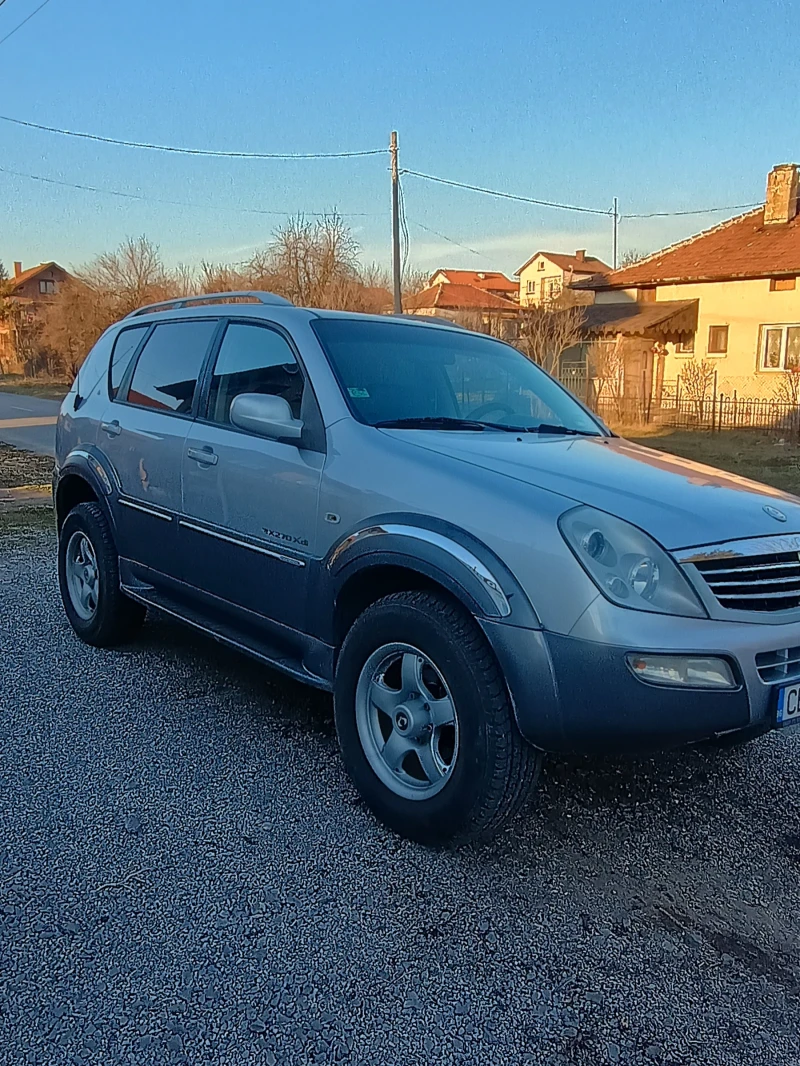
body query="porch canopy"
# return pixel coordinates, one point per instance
(670, 320)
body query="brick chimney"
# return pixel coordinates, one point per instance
(781, 202)
(580, 255)
(17, 269)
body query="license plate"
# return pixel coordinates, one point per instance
(789, 705)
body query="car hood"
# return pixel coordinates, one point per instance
(679, 502)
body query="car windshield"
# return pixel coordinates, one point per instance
(434, 378)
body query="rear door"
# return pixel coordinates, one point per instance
(152, 383)
(248, 533)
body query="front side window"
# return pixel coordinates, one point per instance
(780, 348)
(530, 287)
(253, 359)
(124, 350)
(47, 288)
(393, 372)
(717, 340)
(685, 346)
(166, 373)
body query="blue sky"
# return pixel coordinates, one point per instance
(668, 105)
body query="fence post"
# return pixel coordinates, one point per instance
(714, 403)
(734, 408)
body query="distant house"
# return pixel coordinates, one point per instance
(544, 276)
(27, 291)
(468, 305)
(728, 295)
(486, 280)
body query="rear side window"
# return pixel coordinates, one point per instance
(253, 359)
(166, 373)
(124, 350)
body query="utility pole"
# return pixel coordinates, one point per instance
(398, 301)
(616, 228)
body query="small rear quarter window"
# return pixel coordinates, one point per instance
(125, 346)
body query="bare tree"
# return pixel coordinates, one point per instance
(787, 387)
(697, 379)
(546, 331)
(631, 256)
(606, 367)
(132, 275)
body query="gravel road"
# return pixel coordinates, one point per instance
(187, 877)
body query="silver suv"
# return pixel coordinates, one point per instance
(418, 519)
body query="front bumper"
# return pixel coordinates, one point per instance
(576, 694)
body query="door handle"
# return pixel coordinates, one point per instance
(111, 428)
(203, 455)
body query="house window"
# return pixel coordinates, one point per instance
(47, 288)
(781, 284)
(685, 346)
(540, 265)
(780, 348)
(717, 340)
(552, 288)
(530, 287)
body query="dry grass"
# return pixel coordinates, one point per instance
(748, 453)
(45, 388)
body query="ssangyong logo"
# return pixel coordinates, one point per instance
(773, 512)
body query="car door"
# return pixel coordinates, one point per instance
(143, 431)
(248, 532)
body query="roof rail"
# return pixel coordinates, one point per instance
(211, 297)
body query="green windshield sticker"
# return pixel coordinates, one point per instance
(359, 394)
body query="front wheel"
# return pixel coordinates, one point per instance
(88, 576)
(425, 723)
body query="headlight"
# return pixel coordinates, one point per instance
(628, 567)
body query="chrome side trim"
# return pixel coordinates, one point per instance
(452, 547)
(241, 543)
(737, 549)
(145, 510)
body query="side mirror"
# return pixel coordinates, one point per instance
(267, 416)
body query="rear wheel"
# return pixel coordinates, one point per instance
(88, 576)
(425, 722)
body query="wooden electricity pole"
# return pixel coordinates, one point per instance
(398, 300)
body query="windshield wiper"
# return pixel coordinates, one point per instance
(547, 427)
(442, 422)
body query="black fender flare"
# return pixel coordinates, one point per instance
(90, 466)
(440, 551)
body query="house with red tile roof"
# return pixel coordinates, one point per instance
(468, 305)
(545, 276)
(486, 280)
(29, 290)
(728, 295)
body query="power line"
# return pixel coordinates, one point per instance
(2, 2)
(507, 195)
(699, 211)
(184, 203)
(187, 151)
(444, 237)
(21, 24)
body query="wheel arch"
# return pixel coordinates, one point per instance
(82, 479)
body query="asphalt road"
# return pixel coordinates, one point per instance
(28, 422)
(186, 876)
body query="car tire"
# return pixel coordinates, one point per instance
(491, 770)
(88, 577)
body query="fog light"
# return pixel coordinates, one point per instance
(688, 670)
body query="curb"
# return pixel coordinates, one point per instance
(26, 496)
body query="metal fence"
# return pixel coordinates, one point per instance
(715, 411)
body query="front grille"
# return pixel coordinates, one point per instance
(754, 582)
(780, 665)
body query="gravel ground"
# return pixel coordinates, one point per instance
(187, 877)
(23, 468)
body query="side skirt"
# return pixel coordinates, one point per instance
(280, 655)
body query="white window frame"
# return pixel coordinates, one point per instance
(44, 290)
(784, 327)
(554, 288)
(685, 353)
(540, 265)
(530, 287)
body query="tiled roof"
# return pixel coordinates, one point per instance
(662, 319)
(31, 272)
(450, 296)
(491, 280)
(590, 264)
(742, 247)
